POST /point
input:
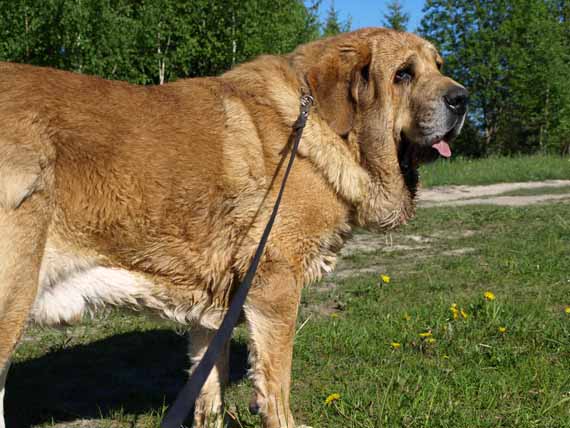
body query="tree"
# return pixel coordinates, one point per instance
(513, 55)
(151, 41)
(333, 25)
(396, 18)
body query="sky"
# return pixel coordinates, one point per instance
(370, 13)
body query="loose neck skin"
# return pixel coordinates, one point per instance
(390, 201)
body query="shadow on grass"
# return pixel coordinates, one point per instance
(136, 372)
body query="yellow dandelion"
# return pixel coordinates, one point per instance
(454, 311)
(332, 397)
(334, 315)
(426, 334)
(489, 295)
(567, 310)
(464, 314)
(395, 345)
(446, 357)
(430, 340)
(407, 317)
(502, 329)
(385, 279)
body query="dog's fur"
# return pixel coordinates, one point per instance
(155, 197)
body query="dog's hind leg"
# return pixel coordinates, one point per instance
(209, 406)
(26, 181)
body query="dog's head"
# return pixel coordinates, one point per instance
(383, 92)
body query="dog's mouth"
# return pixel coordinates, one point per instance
(441, 144)
(411, 155)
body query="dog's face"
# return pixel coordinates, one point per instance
(430, 107)
(384, 93)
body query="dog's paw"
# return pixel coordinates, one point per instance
(357, 185)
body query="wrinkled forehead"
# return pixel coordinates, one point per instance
(407, 47)
(429, 53)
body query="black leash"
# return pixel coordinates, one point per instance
(187, 397)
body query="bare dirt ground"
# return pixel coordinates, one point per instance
(491, 194)
(420, 246)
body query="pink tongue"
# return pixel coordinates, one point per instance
(443, 149)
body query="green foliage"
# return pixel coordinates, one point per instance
(514, 56)
(396, 18)
(151, 41)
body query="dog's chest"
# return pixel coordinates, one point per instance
(322, 258)
(72, 285)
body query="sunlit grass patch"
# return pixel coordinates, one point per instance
(495, 169)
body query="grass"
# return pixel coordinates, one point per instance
(472, 375)
(495, 170)
(120, 371)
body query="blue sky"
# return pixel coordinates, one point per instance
(370, 13)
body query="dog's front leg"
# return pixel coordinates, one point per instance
(208, 412)
(271, 312)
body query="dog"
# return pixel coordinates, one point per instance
(155, 197)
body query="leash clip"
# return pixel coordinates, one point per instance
(306, 103)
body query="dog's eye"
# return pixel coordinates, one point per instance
(404, 75)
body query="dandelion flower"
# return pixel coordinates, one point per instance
(489, 296)
(385, 279)
(426, 334)
(395, 345)
(454, 311)
(502, 329)
(567, 310)
(464, 314)
(407, 317)
(332, 397)
(431, 341)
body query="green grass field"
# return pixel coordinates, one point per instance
(495, 170)
(425, 349)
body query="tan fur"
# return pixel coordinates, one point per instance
(156, 197)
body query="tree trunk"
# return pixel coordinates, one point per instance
(162, 59)
(234, 42)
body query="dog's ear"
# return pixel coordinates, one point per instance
(335, 82)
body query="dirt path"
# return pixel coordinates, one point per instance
(446, 196)
(492, 194)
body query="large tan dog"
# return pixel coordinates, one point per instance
(155, 197)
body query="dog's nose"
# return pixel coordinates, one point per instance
(456, 100)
